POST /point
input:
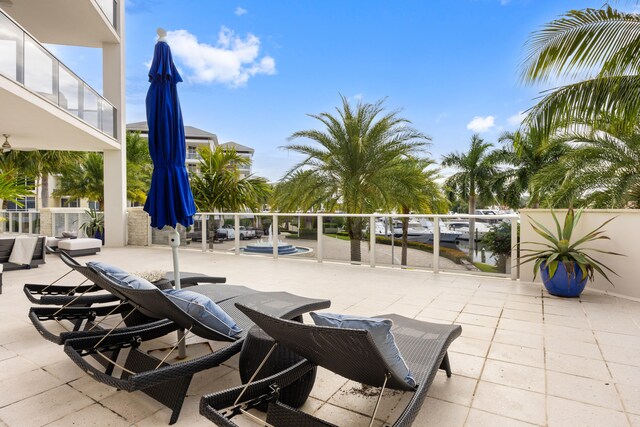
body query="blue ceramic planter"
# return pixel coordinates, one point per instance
(562, 285)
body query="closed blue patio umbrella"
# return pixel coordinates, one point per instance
(169, 201)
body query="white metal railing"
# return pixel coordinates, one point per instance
(204, 217)
(22, 222)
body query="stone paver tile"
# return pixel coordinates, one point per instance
(92, 388)
(477, 319)
(28, 384)
(471, 346)
(566, 311)
(204, 382)
(520, 326)
(574, 348)
(457, 389)
(15, 366)
(465, 364)
(617, 324)
(635, 420)
(529, 316)
(618, 340)
(44, 408)
(622, 355)
(341, 416)
(489, 302)
(579, 322)
(522, 339)
(577, 365)
(510, 374)
(354, 397)
(189, 415)
(94, 415)
(569, 413)
(517, 354)
(6, 354)
(510, 402)
(478, 418)
(587, 390)
(438, 313)
(65, 370)
(574, 334)
(436, 412)
(37, 350)
(477, 332)
(327, 384)
(630, 395)
(624, 374)
(483, 310)
(134, 406)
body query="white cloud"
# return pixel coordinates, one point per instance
(232, 61)
(440, 117)
(240, 11)
(516, 119)
(481, 124)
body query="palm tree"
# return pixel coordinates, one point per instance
(139, 167)
(600, 169)
(83, 180)
(415, 189)
(600, 45)
(350, 165)
(219, 185)
(475, 179)
(526, 151)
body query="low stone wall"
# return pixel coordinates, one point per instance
(138, 227)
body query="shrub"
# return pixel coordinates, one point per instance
(454, 255)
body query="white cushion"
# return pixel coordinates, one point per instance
(77, 244)
(52, 242)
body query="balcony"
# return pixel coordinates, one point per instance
(35, 87)
(87, 23)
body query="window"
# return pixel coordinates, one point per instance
(94, 205)
(68, 202)
(28, 202)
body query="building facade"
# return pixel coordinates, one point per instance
(44, 105)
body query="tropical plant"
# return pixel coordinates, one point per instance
(139, 167)
(476, 177)
(525, 153)
(351, 165)
(600, 168)
(94, 224)
(219, 185)
(11, 189)
(562, 247)
(498, 241)
(602, 46)
(415, 189)
(83, 180)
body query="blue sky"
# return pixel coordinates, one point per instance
(254, 69)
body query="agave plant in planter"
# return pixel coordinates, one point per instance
(94, 225)
(564, 265)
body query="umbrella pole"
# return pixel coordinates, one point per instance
(174, 242)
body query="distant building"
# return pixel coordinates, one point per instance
(195, 138)
(243, 151)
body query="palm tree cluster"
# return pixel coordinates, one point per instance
(362, 160)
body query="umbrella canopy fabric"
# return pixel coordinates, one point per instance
(169, 201)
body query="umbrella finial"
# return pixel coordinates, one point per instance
(162, 34)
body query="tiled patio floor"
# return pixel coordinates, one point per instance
(523, 358)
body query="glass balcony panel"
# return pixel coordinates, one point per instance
(11, 47)
(91, 107)
(39, 70)
(107, 124)
(69, 88)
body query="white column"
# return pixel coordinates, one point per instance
(372, 241)
(514, 249)
(236, 230)
(115, 170)
(436, 245)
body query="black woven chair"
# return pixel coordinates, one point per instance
(168, 383)
(78, 317)
(350, 353)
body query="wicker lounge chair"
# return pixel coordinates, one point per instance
(168, 383)
(77, 317)
(350, 353)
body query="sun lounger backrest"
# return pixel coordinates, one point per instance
(350, 353)
(153, 302)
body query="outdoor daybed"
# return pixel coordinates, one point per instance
(7, 246)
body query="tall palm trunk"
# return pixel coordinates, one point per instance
(44, 190)
(472, 227)
(405, 230)
(355, 235)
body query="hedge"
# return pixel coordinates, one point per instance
(454, 255)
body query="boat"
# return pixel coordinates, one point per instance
(422, 231)
(462, 226)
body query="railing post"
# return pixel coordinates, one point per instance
(203, 223)
(514, 249)
(320, 249)
(20, 222)
(436, 245)
(30, 223)
(66, 221)
(372, 241)
(236, 230)
(274, 232)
